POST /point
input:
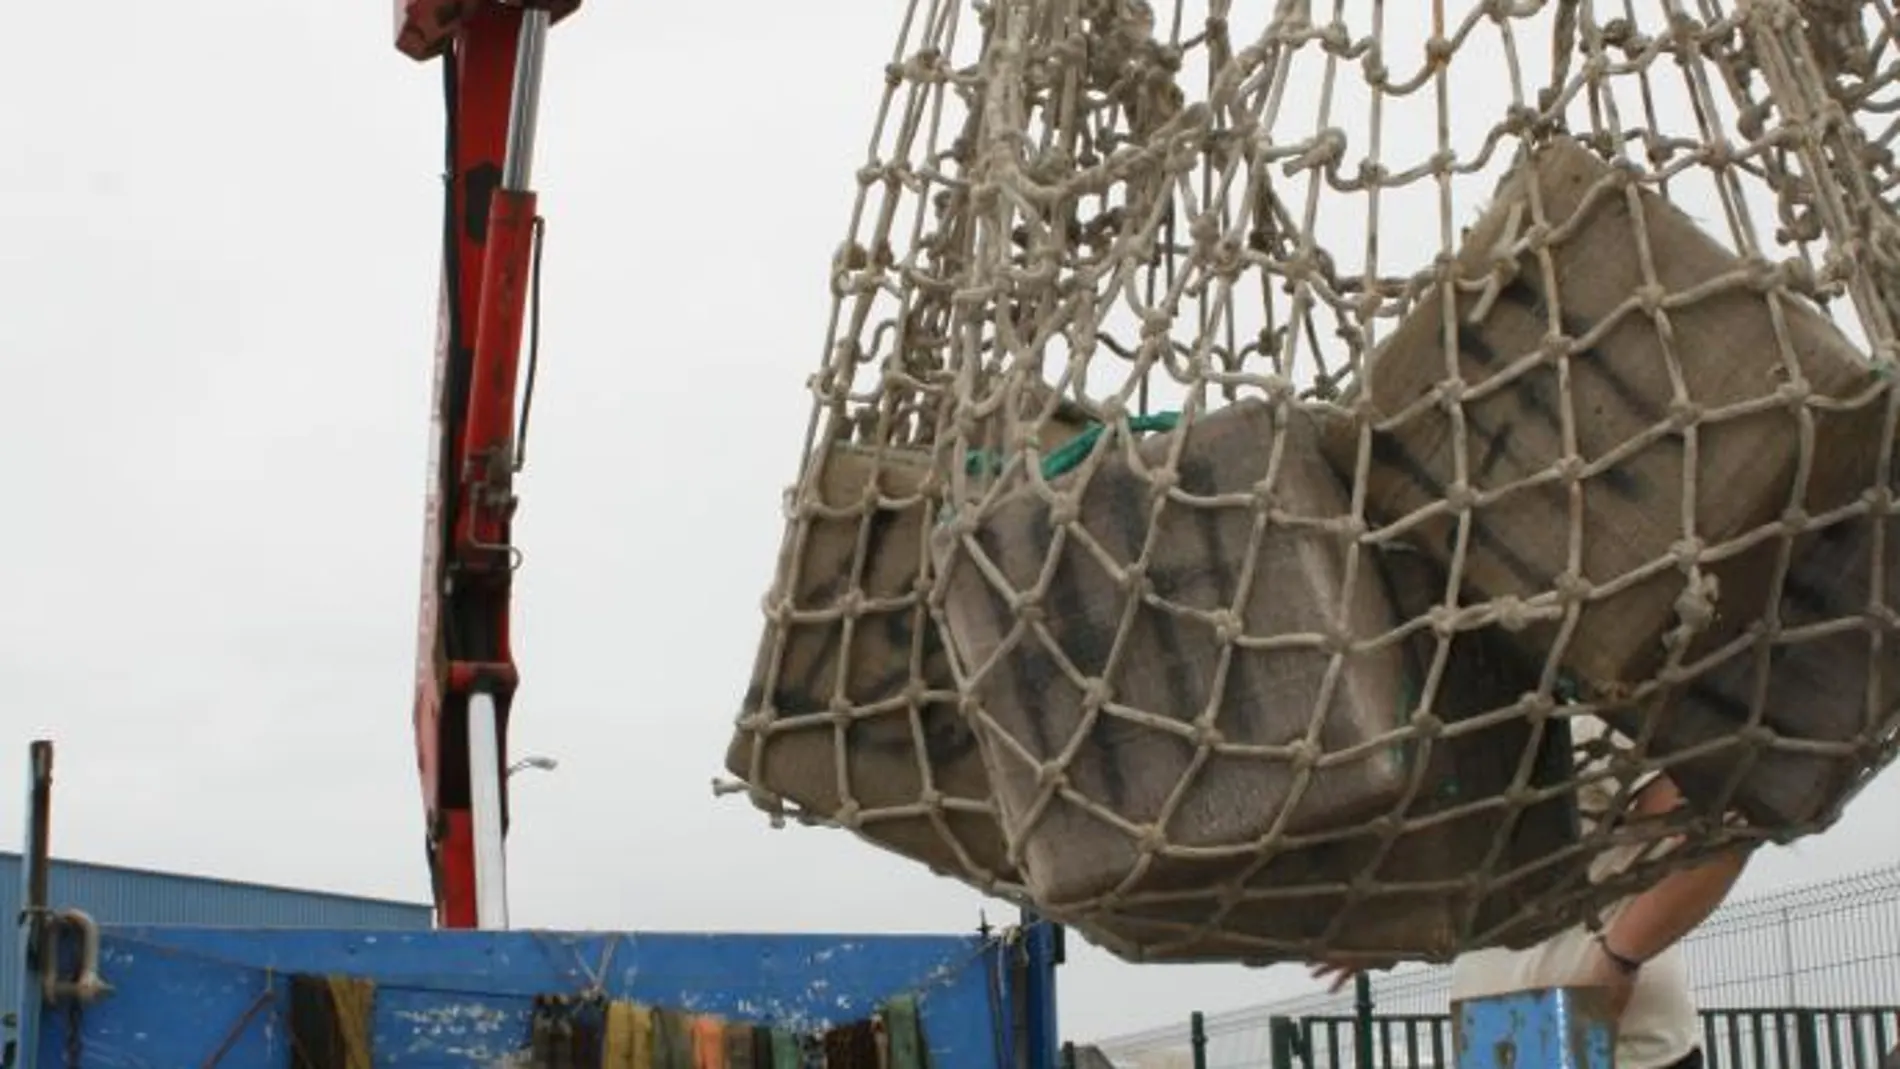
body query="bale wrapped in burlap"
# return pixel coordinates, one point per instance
(1831, 695)
(1439, 886)
(879, 746)
(1531, 867)
(1633, 590)
(1118, 737)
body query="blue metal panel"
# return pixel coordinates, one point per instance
(464, 998)
(134, 896)
(1566, 1028)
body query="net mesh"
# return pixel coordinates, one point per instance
(1283, 480)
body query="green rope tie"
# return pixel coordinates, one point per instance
(1066, 457)
(1070, 454)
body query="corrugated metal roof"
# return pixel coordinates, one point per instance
(113, 894)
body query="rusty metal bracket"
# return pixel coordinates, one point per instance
(86, 985)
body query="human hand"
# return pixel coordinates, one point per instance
(1338, 972)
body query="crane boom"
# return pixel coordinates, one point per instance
(465, 672)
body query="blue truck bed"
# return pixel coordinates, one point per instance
(224, 997)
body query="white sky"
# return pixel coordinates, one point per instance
(218, 270)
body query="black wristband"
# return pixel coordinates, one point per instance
(1630, 966)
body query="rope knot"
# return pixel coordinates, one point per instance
(1303, 754)
(1796, 394)
(1513, 614)
(1687, 552)
(777, 608)
(1683, 414)
(851, 603)
(1444, 621)
(1027, 605)
(1696, 605)
(1572, 588)
(1227, 626)
(1326, 149)
(1536, 705)
(1336, 640)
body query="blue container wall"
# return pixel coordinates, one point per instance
(133, 896)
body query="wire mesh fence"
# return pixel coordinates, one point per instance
(1808, 977)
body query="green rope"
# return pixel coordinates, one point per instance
(1069, 455)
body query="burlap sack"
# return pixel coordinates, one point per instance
(817, 727)
(1424, 900)
(1620, 390)
(1034, 707)
(1520, 847)
(892, 722)
(1816, 708)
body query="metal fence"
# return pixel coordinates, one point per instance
(1840, 1038)
(1801, 979)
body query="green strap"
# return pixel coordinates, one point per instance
(900, 1024)
(1067, 456)
(672, 1040)
(785, 1052)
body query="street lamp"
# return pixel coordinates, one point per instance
(538, 763)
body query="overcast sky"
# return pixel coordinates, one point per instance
(218, 271)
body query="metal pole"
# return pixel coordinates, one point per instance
(1362, 1004)
(1281, 1035)
(1787, 959)
(484, 789)
(1197, 1035)
(33, 902)
(526, 106)
(1044, 944)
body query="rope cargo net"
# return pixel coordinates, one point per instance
(1285, 480)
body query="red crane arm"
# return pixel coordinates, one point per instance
(465, 671)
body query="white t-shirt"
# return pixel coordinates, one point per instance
(1661, 1023)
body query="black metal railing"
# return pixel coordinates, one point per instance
(1397, 1041)
(1827, 954)
(1861, 1037)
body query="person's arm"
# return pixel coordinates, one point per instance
(1656, 919)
